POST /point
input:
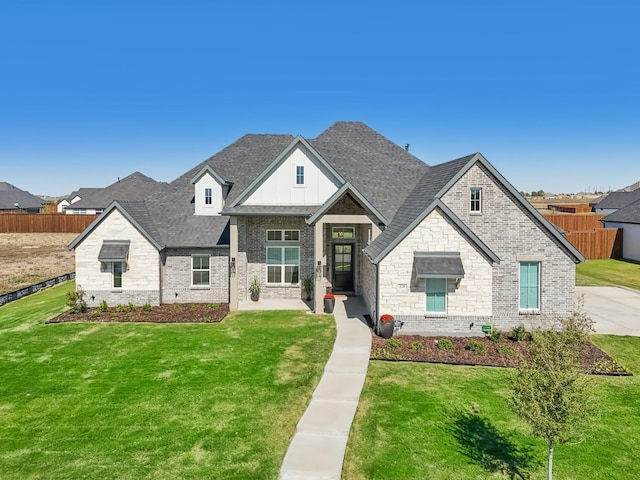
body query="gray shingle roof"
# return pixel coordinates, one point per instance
(378, 168)
(82, 193)
(618, 199)
(10, 195)
(628, 214)
(416, 203)
(132, 187)
(279, 210)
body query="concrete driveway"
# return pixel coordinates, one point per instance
(614, 310)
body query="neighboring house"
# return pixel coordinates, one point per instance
(12, 199)
(628, 219)
(615, 201)
(442, 248)
(133, 187)
(74, 197)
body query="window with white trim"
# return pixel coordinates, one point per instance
(476, 200)
(208, 196)
(300, 175)
(283, 235)
(200, 270)
(283, 265)
(436, 290)
(529, 286)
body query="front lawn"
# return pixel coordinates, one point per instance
(418, 421)
(133, 401)
(625, 273)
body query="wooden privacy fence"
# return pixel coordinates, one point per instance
(570, 207)
(598, 243)
(44, 223)
(577, 222)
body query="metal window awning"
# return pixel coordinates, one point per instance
(114, 251)
(438, 265)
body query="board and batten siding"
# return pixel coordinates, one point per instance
(204, 182)
(140, 281)
(403, 295)
(280, 187)
(512, 233)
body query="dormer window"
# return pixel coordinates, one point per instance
(300, 175)
(207, 196)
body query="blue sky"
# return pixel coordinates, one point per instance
(549, 92)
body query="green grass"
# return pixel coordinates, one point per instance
(133, 401)
(608, 272)
(423, 421)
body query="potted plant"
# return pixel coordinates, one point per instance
(254, 288)
(387, 324)
(307, 286)
(329, 302)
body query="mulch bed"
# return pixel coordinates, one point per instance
(381, 349)
(167, 313)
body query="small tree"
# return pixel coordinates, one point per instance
(550, 390)
(76, 301)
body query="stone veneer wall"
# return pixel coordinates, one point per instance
(403, 295)
(252, 252)
(176, 276)
(512, 232)
(140, 281)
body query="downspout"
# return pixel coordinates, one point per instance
(375, 312)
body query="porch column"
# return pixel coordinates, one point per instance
(318, 296)
(233, 263)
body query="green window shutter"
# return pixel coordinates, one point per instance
(436, 295)
(529, 285)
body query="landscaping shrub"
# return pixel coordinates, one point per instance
(120, 308)
(213, 306)
(384, 354)
(147, 307)
(103, 308)
(505, 350)
(132, 307)
(444, 344)
(76, 301)
(477, 346)
(495, 335)
(394, 343)
(610, 367)
(415, 346)
(518, 333)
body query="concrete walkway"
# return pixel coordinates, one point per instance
(317, 449)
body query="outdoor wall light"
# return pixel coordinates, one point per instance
(176, 294)
(232, 266)
(319, 269)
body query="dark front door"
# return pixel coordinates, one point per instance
(343, 267)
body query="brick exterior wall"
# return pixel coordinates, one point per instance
(512, 232)
(252, 252)
(488, 293)
(140, 281)
(176, 277)
(403, 295)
